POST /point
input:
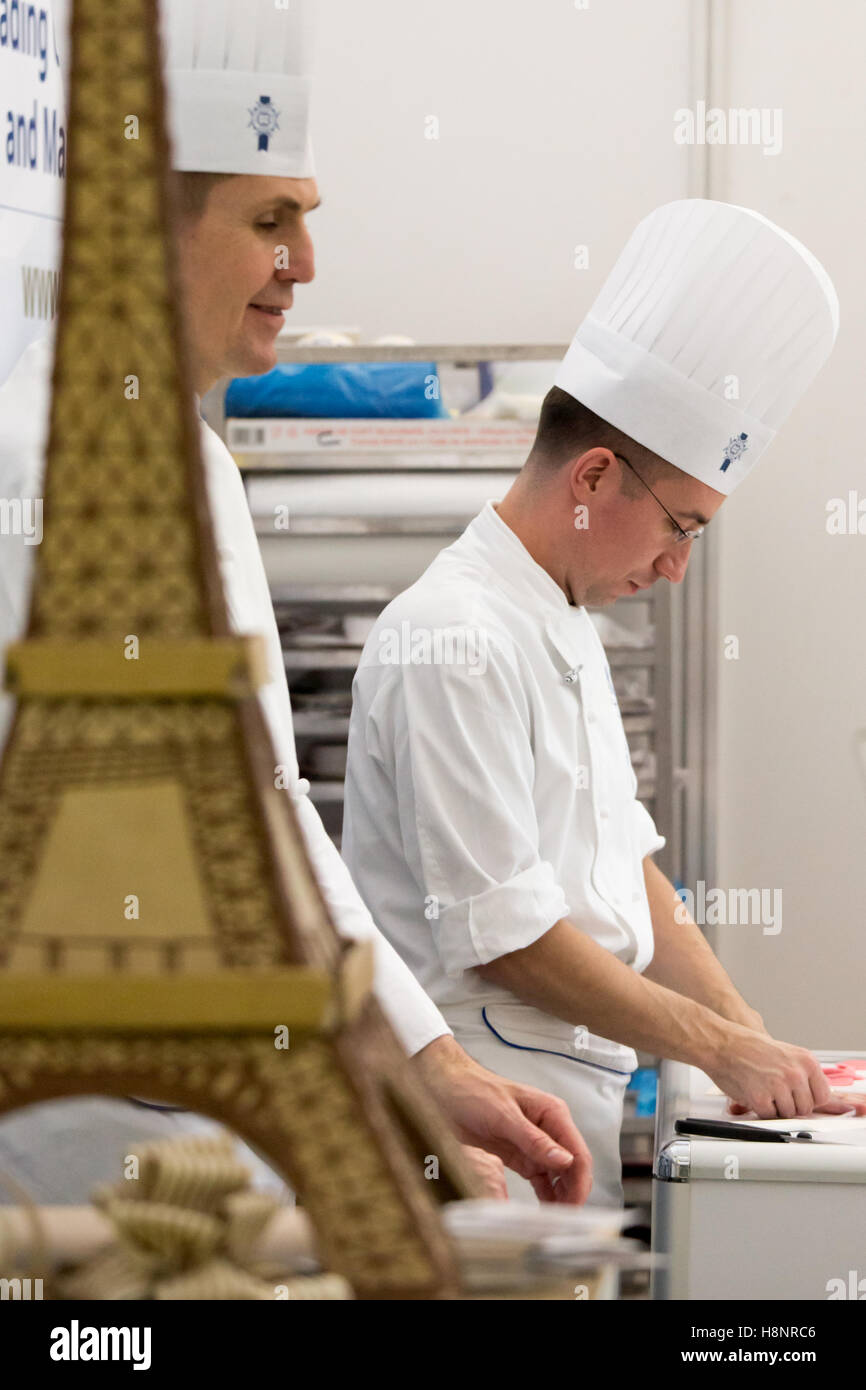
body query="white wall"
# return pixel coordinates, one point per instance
(554, 131)
(792, 797)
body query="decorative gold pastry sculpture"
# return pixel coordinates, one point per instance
(161, 930)
(189, 1229)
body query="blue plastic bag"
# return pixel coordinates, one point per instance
(339, 391)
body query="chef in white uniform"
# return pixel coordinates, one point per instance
(239, 105)
(491, 817)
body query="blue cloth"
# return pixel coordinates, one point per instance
(644, 1083)
(342, 391)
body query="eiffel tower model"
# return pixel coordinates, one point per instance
(161, 930)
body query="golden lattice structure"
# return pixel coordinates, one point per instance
(160, 924)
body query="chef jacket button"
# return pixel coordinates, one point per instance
(302, 786)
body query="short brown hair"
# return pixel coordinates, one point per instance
(567, 428)
(192, 190)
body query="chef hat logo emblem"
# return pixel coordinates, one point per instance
(263, 119)
(736, 447)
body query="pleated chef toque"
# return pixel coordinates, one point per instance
(706, 333)
(238, 86)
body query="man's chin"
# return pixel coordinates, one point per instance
(251, 362)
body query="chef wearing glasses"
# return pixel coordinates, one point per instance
(491, 816)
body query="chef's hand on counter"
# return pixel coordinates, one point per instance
(855, 1102)
(531, 1132)
(775, 1079)
(489, 1170)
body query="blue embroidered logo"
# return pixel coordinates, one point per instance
(736, 448)
(263, 119)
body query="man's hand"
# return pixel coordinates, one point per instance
(489, 1170)
(839, 1104)
(774, 1079)
(532, 1132)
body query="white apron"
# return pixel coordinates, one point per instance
(589, 1073)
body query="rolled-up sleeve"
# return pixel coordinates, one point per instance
(458, 743)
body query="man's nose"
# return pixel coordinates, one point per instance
(301, 258)
(673, 562)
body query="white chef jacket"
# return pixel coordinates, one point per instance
(24, 403)
(490, 791)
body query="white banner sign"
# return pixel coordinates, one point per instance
(33, 48)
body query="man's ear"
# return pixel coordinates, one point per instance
(589, 468)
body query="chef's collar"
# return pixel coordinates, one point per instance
(508, 556)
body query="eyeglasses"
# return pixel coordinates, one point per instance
(683, 535)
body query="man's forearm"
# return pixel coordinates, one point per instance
(683, 959)
(566, 973)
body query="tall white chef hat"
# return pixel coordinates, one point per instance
(238, 86)
(709, 328)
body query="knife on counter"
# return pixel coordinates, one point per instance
(729, 1129)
